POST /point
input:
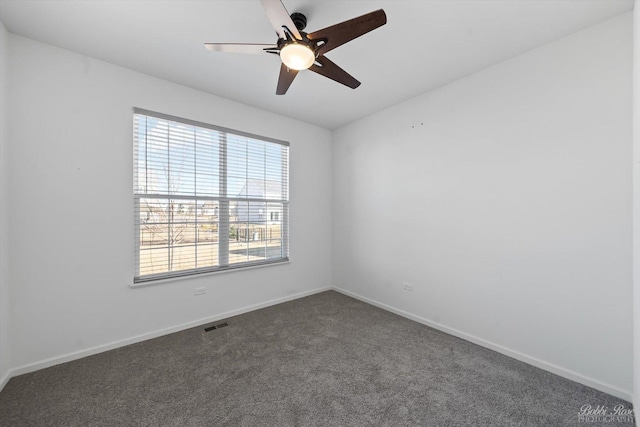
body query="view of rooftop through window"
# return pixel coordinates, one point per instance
(206, 198)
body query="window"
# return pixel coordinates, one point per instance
(206, 198)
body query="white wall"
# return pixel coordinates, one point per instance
(505, 199)
(636, 210)
(4, 193)
(72, 234)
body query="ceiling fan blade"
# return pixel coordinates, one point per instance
(286, 78)
(339, 34)
(239, 47)
(279, 17)
(329, 69)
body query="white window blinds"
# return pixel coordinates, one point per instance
(206, 198)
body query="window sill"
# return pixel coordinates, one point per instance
(159, 281)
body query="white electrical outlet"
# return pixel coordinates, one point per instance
(407, 286)
(199, 291)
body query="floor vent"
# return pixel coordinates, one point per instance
(211, 328)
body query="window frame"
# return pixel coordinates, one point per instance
(223, 204)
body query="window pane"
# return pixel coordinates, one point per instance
(207, 185)
(208, 233)
(154, 260)
(274, 248)
(238, 252)
(207, 255)
(255, 160)
(238, 210)
(181, 171)
(207, 162)
(153, 221)
(182, 258)
(181, 234)
(157, 157)
(274, 231)
(237, 156)
(236, 186)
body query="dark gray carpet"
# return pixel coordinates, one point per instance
(324, 360)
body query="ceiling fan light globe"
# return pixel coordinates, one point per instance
(297, 56)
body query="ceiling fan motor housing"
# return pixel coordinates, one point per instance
(299, 20)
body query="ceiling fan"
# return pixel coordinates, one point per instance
(299, 50)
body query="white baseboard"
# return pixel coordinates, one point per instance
(555, 369)
(563, 372)
(42, 364)
(5, 379)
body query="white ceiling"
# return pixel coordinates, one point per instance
(424, 45)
